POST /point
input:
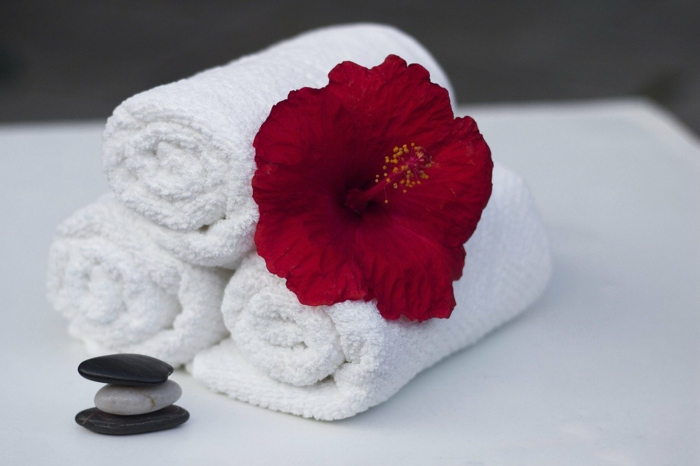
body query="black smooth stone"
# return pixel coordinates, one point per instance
(135, 370)
(111, 424)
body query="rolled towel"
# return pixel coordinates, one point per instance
(331, 362)
(182, 155)
(121, 293)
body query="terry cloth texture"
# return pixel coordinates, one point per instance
(332, 362)
(182, 155)
(121, 293)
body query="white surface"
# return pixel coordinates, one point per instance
(603, 370)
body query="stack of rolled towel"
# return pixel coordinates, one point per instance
(165, 265)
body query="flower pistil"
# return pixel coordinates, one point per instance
(404, 169)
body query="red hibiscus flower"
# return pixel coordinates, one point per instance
(368, 189)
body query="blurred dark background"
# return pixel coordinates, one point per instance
(75, 59)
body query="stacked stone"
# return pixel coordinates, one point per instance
(138, 396)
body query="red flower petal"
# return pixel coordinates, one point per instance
(450, 205)
(368, 189)
(295, 232)
(409, 274)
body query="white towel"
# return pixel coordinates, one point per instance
(121, 293)
(181, 154)
(331, 362)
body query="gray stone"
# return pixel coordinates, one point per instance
(129, 401)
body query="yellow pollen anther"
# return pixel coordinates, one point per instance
(409, 165)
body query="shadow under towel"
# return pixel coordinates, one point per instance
(332, 362)
(121, 293)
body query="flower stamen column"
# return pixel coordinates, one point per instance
(409, 165)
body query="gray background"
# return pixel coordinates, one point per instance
(79, 59)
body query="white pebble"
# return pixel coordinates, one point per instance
(123, 400)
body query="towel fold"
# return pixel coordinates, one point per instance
(121, 293)
(181, 154)
(331, 362)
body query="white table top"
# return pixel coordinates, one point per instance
(604, 370)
